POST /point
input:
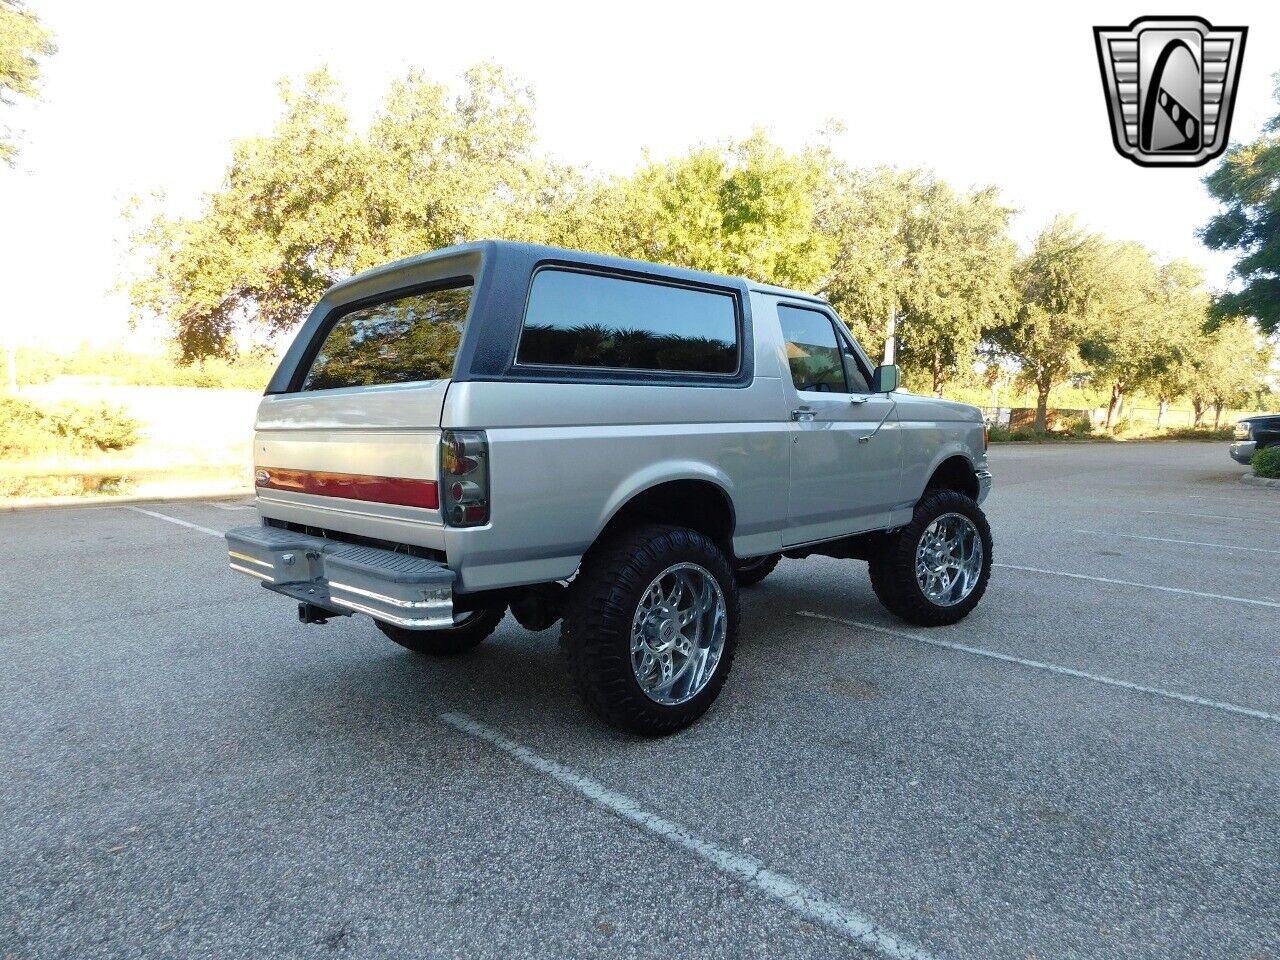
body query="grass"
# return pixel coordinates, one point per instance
(29, 430)
(143, 369)
(71, 438)
(32, 433)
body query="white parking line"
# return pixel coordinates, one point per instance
(1206, 516)
(1050, 668)
(1259, 501)
(1144, 586)
(230, 506)
(181, 523)
(1191, 543)
(803, 900)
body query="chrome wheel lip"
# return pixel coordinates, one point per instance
(949, 559)
(678, 633)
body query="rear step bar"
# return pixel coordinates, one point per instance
(343, 578)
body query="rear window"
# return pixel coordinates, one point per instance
(399, 340)
(589, 320)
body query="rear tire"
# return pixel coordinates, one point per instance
(471, 629)
(897, 580)
(628, 619)
(752, 570)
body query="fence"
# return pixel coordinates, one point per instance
(1019, 418)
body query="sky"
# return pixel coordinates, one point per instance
(149, 96)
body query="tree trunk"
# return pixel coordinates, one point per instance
(1217, 414)
(1164, 405)
(939, 374)
(1197, 406)
(1042, 407)
(1120, 407)
(1111, 406)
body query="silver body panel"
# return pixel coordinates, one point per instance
(564, 457)
(391, 431)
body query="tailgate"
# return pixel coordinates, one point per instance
(361, 460)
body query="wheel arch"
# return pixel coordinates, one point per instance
(699, 500)
(954, 471)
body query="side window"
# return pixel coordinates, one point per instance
(813, 351)
(590, 320)
(400, 340)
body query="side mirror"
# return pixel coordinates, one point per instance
(885, 379)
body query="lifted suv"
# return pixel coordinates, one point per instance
(613, 444)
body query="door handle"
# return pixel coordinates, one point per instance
(803, 415)
(858, 401)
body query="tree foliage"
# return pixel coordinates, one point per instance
(1061, 283)
(745, 209)
(1182, 308)
(942, 261)
(316, 201)
(320, 198)
(1125, 348)
(1230, 367)
(1247, 184)
(23, 41)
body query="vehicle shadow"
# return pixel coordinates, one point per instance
(368, 694)
(513, 669)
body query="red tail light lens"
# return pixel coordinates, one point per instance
(986, 436)
(464, 477)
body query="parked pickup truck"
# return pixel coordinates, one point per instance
(609, 444)
(1253, 434)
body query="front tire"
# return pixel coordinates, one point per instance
(651, 627)
(933, 571)
(468, 631)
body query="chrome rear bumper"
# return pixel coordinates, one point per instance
(394, 587)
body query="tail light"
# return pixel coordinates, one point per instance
(464, 477)
(986, 435)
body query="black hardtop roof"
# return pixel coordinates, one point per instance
(515, 252)
(502, 271)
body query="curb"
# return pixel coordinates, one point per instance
(1256, 481)
(13, 506)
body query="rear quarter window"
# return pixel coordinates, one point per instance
(402, 339)
(576, 319)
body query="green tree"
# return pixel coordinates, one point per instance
(1061, 283)
(746, 209)
(1232, 366)
(1247, 184)
(1127, 345)
(907, 244)
(316, 201)
(1183, 307)
(23, 40)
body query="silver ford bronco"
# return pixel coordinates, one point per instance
(615, 445)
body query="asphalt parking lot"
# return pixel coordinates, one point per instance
(1088, 766)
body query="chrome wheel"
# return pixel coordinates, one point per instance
(949, 559)
(678, 634)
